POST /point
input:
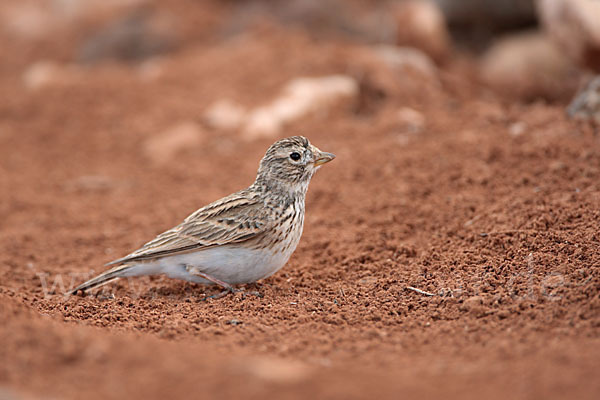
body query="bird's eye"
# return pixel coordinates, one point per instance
(295, 156)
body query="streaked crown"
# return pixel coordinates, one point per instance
(291, 161)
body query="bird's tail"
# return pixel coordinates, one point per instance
(104, 278)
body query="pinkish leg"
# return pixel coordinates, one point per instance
(228, 288)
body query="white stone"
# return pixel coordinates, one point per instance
(421, 24)
(300, 97)
(517, 128)
(48, 73)
(411, 120)
(575, 26)
(401, 58)
(225, 114)
(164, 146)
(586, 103)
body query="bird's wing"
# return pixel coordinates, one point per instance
(233, 219)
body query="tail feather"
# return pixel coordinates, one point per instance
(102, 279)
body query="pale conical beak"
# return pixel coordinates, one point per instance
(322, 157)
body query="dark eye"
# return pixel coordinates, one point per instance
(295, 156)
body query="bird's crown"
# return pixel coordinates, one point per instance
(291, 162)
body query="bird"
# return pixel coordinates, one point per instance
(241, 238)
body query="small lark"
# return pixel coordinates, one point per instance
(241, 238)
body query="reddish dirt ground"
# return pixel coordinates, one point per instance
(493, 206)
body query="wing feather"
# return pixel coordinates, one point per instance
(233, 219)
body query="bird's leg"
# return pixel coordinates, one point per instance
(228, 288)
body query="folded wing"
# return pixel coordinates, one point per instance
(233, 219)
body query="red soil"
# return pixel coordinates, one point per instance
(493, 207)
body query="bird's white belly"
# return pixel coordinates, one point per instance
(231, 264)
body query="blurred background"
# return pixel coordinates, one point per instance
(467, 167)
(523, 48)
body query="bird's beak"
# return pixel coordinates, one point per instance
(322, 157)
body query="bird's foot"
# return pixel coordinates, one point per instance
(223, 293)
(226, 286)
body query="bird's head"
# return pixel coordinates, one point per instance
(292, 161)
